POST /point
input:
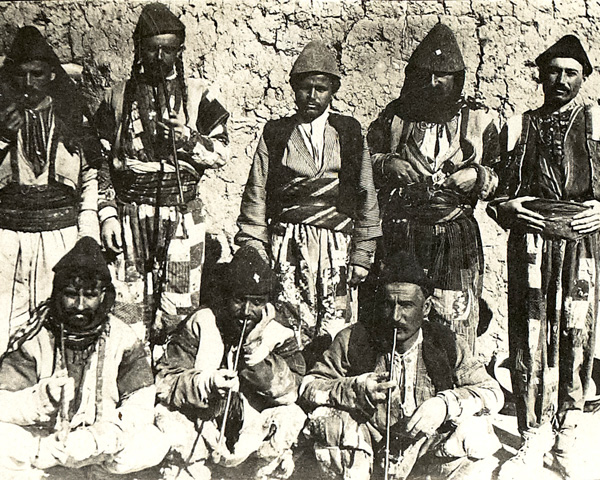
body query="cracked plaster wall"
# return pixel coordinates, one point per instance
(247, 47)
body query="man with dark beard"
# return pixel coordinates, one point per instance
(48, 186)
(198, 373)
(164, 131)
(432, 150)
(76, 388)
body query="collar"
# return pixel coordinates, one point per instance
(414, 347)
(572, 105)
(318, 124)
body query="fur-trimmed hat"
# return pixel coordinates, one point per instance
(438, 52)
(157, 19)
(318, 58)
(568, 46)
(250, 273)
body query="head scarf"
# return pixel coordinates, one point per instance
(157, 19)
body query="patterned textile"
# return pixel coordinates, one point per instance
(435, 223)
(452, 255)
(553, 294)
(287, 185)
(161, 267)
(311, 263)
(553, 289)
(157, 277)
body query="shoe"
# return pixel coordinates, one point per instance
(567, 458)
(528, 462)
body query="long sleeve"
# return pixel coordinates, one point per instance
(475, 391)
(330, 382)
(182, 382)
(88, 211)
(367, 226)
(20, 402)
(252, 221)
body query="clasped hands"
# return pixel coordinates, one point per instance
(395, 167)
(426, 419)
(584, 222)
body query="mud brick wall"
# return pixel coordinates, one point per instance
(247, 48)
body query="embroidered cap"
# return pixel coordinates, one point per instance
(316, 57)
(157, 19)
(568, 46)
(438, 52)
(250, 274)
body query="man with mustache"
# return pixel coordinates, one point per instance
(310, 203)
(198, 372)
(548, 196)
(432, 150)
(48, 179)
(163, 130)
(440, 395)
(76, 387)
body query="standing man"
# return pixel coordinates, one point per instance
(164, 131)
(408, 375)
(310, 203)
(48, 188)
(76, 388)
(432, 152)
(548, 197)
(198, 372)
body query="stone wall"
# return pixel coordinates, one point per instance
(248, 46)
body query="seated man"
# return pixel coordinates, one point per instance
(440, 396)
(76, 387)
(237, 363)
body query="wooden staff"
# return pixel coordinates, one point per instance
(388, 413)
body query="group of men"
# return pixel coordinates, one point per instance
(102, 230)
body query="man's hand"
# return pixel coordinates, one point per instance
(52, 388)
(356, 275)
(173, 123)
(111, 235)
(377, 386)
(11, 120)
(225, 380)
(587, 221)
(428, 417)
(395, 168)
(514, 209)
(462, 181)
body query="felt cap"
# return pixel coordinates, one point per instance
(568, 46)
(250, 274)
(403, 267)
(84, 258)
(157, 19)
(316, 57)
(438, 52)
(29, 45)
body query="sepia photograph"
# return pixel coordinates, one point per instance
(299, 239)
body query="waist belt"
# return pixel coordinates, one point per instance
(38, 220)
(430, 215)
(157, 188)
(558, 215)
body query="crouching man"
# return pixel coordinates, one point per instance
(239, 363)
(76, 387)
(440, 396)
